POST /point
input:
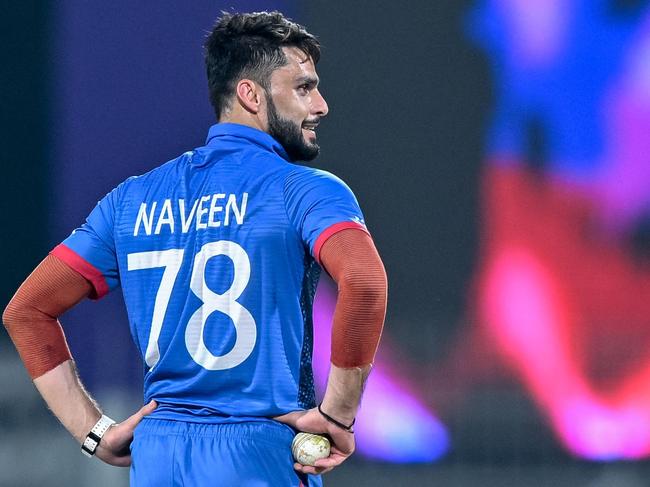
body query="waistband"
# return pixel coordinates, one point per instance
(253, 429)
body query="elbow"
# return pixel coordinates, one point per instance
(9, 315)
(20, 310)
(368, 285)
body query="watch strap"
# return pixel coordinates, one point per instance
(90, 444)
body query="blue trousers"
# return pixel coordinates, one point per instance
(250, 454)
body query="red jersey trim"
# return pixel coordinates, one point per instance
(83, 267)
(331, 230)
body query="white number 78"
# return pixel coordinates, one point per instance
(245, 327)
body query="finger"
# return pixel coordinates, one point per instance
(148, 408)
(124, 461)
(305, 468)
(289, 418)
(308, 469)
(329, 462)
(334, 450)
(144, 410)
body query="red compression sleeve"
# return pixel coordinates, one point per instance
(351, 258)
(31, 316)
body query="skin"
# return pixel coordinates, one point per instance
(295, 95)
(61, 388)
(298, 102)
(297, 99)
(78, 412)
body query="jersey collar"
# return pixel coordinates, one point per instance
(251, 134)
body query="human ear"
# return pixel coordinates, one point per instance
(249, 95)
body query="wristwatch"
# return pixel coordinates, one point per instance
(93, 438)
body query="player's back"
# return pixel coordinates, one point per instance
(215, 253)
(216, 280)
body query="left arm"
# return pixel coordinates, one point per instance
(351, 258)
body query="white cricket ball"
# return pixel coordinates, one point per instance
(308, 447)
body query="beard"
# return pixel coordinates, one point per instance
(289, 135)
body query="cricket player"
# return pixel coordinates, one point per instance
(218, 253)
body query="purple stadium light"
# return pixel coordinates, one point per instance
(394, 426)
(581, 70)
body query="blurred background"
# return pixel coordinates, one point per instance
(500, 152)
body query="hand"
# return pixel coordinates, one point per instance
(311, 421)
(114, 448)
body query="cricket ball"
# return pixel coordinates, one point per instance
(308, 447)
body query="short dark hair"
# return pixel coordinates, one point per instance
(249, 45)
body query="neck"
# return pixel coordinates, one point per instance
(244, 119)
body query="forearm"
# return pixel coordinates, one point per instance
(68, 400)
(31, 321)
(31, 315)
(344, 390)
(352, 260)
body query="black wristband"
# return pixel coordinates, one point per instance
(335, 422)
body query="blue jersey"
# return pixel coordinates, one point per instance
(217, 256)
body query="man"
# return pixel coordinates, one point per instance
(217, 253)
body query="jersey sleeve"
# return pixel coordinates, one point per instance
(90, 249)
(319, 205)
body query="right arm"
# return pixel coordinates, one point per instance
(31, 319)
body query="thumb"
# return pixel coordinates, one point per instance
(290, 418)
(144, 410)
